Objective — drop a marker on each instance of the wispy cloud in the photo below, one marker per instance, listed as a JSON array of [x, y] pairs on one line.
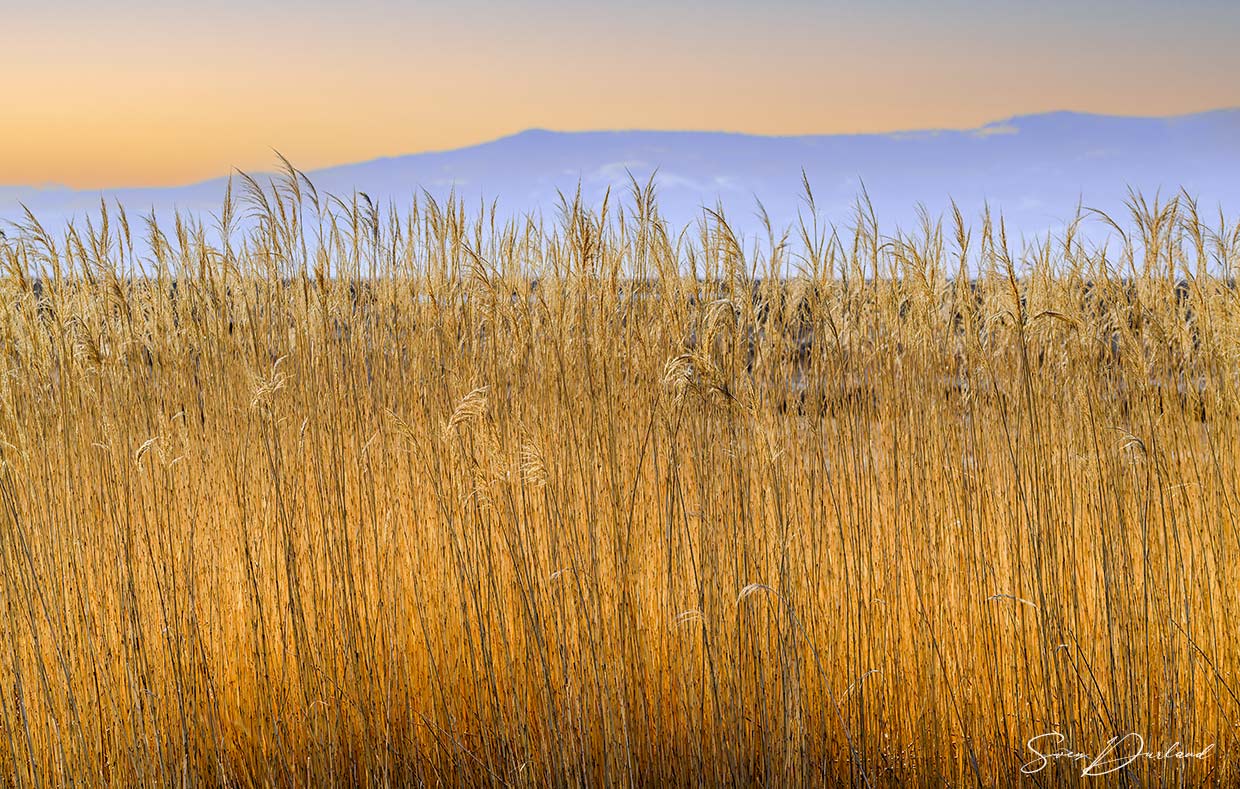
[[995, 130], [613, 171]]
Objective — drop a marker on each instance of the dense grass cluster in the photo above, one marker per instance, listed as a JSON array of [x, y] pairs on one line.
[[317, 492]]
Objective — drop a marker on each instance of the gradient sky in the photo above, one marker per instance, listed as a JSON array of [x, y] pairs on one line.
[[137, 92]]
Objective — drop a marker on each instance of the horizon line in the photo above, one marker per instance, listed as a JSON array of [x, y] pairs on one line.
[[233, 171]]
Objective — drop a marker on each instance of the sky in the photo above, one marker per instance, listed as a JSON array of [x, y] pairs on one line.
[[146, 93]]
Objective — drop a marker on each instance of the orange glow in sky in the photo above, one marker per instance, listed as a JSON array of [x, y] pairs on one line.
[[145, 93]]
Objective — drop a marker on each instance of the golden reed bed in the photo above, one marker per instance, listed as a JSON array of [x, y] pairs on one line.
[[331, 494]]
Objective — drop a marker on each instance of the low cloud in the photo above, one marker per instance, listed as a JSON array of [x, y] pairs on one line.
[[995, 130]]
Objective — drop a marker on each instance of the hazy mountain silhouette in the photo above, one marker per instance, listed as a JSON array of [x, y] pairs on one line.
[[1033, 168]]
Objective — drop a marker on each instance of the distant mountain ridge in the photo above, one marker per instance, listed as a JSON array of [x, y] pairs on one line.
[[1035, 169]]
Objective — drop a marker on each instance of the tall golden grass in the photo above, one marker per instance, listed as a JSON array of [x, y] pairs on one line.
[[317, 492]]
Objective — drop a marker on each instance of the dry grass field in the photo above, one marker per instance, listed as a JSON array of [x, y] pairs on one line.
[[313, 492]]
